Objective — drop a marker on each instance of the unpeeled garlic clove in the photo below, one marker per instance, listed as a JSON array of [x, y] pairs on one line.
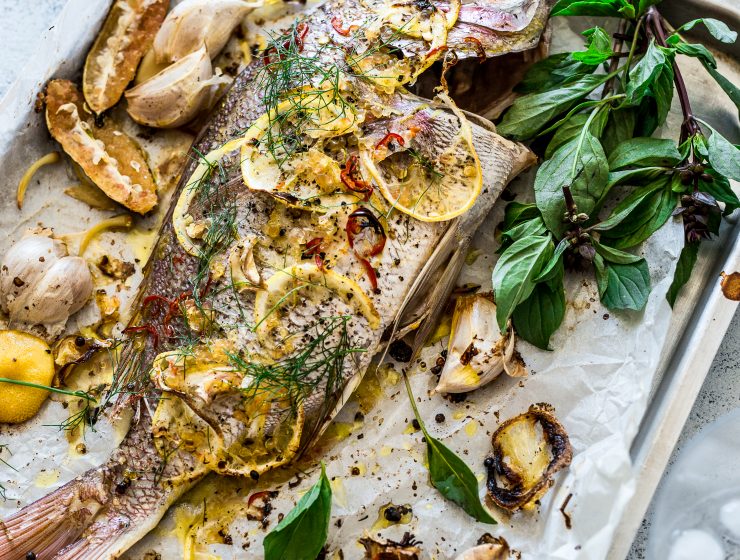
[[244, 272], [194, 23], [41, 284], [477, 352], [177, 94]]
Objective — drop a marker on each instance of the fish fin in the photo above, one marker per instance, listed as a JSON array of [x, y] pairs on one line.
[[52, 522]]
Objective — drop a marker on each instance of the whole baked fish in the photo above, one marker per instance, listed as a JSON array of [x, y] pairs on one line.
[[321, 198]]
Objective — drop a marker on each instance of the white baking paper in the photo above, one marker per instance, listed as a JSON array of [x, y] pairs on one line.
[[598, 379]]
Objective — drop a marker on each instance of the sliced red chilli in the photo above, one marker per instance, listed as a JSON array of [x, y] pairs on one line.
[[366, 238], [478, 46], [350, 178], [314, 249], [336, 23], [385, 142]]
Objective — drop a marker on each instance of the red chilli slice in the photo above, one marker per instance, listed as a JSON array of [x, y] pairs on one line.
[[336, 23], [388, 138], [357, 223], [479, 50], [348, 175]]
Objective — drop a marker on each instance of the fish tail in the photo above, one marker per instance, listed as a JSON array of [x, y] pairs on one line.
[[51, 523]]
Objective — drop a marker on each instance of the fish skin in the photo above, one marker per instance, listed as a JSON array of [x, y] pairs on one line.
[[106, 510]]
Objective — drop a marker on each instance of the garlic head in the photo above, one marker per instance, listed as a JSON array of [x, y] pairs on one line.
[[194, 23], [477, 352], [176, 94], [40, 284]]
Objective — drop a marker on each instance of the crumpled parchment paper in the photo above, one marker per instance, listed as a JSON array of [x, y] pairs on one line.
[[598, 379]]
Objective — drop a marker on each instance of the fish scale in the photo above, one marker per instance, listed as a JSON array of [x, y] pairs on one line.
[[104, 512]]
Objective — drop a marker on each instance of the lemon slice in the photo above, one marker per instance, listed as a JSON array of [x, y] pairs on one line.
[[408, 18], [282, 151], [291, 289], [181, 217], [432, 181]]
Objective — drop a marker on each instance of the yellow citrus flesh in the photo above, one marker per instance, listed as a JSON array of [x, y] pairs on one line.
[[23, 357]]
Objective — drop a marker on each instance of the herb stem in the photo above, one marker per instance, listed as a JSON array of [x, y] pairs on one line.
[[614, 63], [80, 394], [413, 404], [633, 47]]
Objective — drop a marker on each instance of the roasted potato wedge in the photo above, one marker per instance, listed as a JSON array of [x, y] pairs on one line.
[[127, 34], [109, 157]]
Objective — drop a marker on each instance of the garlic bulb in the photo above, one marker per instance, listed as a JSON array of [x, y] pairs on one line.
[[194, 23], [477, 353], [41, 285], [176, 94]]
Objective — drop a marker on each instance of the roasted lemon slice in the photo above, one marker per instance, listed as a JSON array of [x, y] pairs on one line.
[[287, 292], [433, 176], [282, 151]]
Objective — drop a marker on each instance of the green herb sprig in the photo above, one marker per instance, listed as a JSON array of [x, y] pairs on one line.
[[595, 130]]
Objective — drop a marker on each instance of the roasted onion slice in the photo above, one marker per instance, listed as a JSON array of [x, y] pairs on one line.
[[527, 451]]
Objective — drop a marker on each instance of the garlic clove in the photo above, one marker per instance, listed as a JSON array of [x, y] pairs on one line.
[[63, 290], [477, 353], [177, 94], [24, 265], [244, 272], [194, 23]]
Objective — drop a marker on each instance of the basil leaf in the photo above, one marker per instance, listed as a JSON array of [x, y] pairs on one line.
[[613, 255], [628, 285], [454, 479], [629, 205], [646, 218], [540, 315], [608, 8], [732, 91], [718, 29], [721, 190], [586, 156], [645, 4], [723, 155], [635, 177], [644, 152], [684, 266], [518, 212], [619, 127], [535, 226], [529, 114], [696, 50], [551, 72], [646, 71], [572, 127], [602, 279], [514, 272], [599, 48], [661, 92], [302, 533], [555, 265]]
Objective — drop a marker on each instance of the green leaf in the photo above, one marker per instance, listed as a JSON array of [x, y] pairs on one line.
[[684, 266], [718, 29], [636, 177], [646, 71], [518, 212], [721, 190], [645, 4], [645, 218], [723, 155], [554, 266], [645, 152], [608, 8], [599, 48], [613, 255], [514, 273], [302, 533], [631, 204], [553, 71], [540, 315], [619, 127], [589, 162], [573, 126], [535, 226], [531, 113], [732, 91], [602, 279], [454, 479], [696, 50], [627, 286]]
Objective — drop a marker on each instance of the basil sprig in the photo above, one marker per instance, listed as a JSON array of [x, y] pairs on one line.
[[302, 533], [606, 184]]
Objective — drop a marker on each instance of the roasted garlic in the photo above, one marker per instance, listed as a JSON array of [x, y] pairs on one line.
[[177, 94], [195, 23], [41, 285]]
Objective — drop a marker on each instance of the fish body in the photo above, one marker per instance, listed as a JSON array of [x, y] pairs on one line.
[[251, 331]]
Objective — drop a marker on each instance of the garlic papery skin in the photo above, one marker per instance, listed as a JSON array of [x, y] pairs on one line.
[[477, 352], [194, 23], [176, 94], [41, 285]]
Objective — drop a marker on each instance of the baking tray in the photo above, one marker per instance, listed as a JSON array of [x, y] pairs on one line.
[[701, 317]]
